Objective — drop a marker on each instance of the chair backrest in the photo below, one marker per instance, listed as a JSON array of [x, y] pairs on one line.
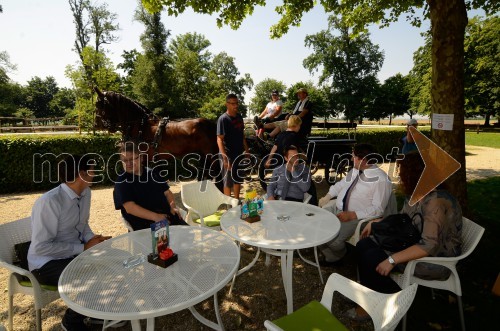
[[13, 233], [203, 196], [386, 310], [471, 234]]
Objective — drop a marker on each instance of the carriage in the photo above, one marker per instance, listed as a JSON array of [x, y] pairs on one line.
[[333, 156]]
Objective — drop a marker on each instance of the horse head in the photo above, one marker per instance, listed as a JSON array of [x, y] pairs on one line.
[[106, 115], [115, 111]]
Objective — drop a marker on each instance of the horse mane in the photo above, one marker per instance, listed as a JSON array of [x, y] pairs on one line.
[[127, 104]]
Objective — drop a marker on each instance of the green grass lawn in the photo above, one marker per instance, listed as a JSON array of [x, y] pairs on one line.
[[486, 139]]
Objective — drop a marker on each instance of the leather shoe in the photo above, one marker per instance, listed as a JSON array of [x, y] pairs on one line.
[[353, 315], [328, 264]]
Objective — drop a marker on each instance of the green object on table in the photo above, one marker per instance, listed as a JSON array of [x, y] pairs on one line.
[[211, 220], [312, 317]]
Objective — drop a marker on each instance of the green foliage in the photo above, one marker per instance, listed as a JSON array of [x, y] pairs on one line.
[[419, 79], [263, 94], [103, 75], [392, 98], [21, 163], [486, 139], [38, 95], [24, 113], [149, 73], [349, 64], [482, 67], [11, 97], [213, 108], [316, 95]]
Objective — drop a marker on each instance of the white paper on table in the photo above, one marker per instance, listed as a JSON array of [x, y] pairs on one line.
[[442, 122]]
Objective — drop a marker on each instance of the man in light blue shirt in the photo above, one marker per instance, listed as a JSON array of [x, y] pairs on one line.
[[60, 228]]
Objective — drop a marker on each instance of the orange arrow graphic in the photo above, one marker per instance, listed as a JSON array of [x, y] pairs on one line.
[[439, 166]]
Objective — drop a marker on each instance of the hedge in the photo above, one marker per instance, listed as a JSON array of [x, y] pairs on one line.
[[21, 154], [383, 140]]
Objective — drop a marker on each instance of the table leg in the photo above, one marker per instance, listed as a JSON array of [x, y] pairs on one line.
[[150, 326], [136, 325], [286, 273]]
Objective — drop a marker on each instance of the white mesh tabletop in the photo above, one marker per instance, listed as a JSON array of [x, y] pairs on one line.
[[300, 231], [96, 284]]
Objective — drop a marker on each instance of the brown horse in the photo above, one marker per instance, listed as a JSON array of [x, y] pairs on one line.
[[116, 112]]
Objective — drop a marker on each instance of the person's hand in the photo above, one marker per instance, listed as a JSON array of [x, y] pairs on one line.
[[366, 231], [384, 267], [176, 211], [324, 200], [346, 216], [94, 241], [160, 217]]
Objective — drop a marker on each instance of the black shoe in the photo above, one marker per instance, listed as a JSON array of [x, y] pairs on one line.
[[327, 264], [73, 325], [258, 122]]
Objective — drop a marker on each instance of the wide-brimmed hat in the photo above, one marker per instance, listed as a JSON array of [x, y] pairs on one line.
[[303, 90]]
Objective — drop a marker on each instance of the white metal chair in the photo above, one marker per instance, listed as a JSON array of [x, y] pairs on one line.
[[386, 310], [471, 234], [202, 199], [14, 233]]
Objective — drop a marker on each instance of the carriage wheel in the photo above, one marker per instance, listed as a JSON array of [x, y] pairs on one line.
[[338, 170]]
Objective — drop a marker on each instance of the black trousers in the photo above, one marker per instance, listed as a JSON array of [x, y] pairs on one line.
[[369, 255], [49, 274]]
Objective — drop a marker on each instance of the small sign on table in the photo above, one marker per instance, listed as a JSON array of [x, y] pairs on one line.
[[162, 254]]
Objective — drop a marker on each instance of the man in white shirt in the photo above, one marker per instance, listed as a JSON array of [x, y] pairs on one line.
[[363, 193], [60, 228]]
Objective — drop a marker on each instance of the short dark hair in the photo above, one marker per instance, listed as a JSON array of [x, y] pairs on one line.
[[231, 96], [70, 167], [367, 151], [289, 148]]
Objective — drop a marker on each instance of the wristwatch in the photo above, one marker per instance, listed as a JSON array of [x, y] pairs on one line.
[[391, 260]]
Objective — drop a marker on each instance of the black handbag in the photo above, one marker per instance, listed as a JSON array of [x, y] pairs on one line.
[[397, 232]]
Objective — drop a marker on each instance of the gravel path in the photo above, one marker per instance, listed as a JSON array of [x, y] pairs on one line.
[[258, 294]]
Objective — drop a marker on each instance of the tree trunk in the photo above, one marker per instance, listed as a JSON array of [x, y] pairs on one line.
[[448, 22], [487, 119]]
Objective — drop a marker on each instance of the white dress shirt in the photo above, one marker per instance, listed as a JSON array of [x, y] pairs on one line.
[[369, 196], [60, 225]]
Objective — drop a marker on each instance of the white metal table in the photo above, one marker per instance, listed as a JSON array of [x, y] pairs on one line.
[[307, 226], [96, 283]]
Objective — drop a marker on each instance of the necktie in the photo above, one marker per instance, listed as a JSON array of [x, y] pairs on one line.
[[345, 201]]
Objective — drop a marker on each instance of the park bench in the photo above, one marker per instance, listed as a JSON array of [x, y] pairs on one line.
[[337, 125]]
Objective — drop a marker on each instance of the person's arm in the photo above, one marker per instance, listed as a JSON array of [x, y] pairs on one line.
[[171, 202], [411, 253], [44, 220], [245, 145], [273, 185], [303, 113], [270, 157], [263, 113], [134, 209], [222, 151]]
